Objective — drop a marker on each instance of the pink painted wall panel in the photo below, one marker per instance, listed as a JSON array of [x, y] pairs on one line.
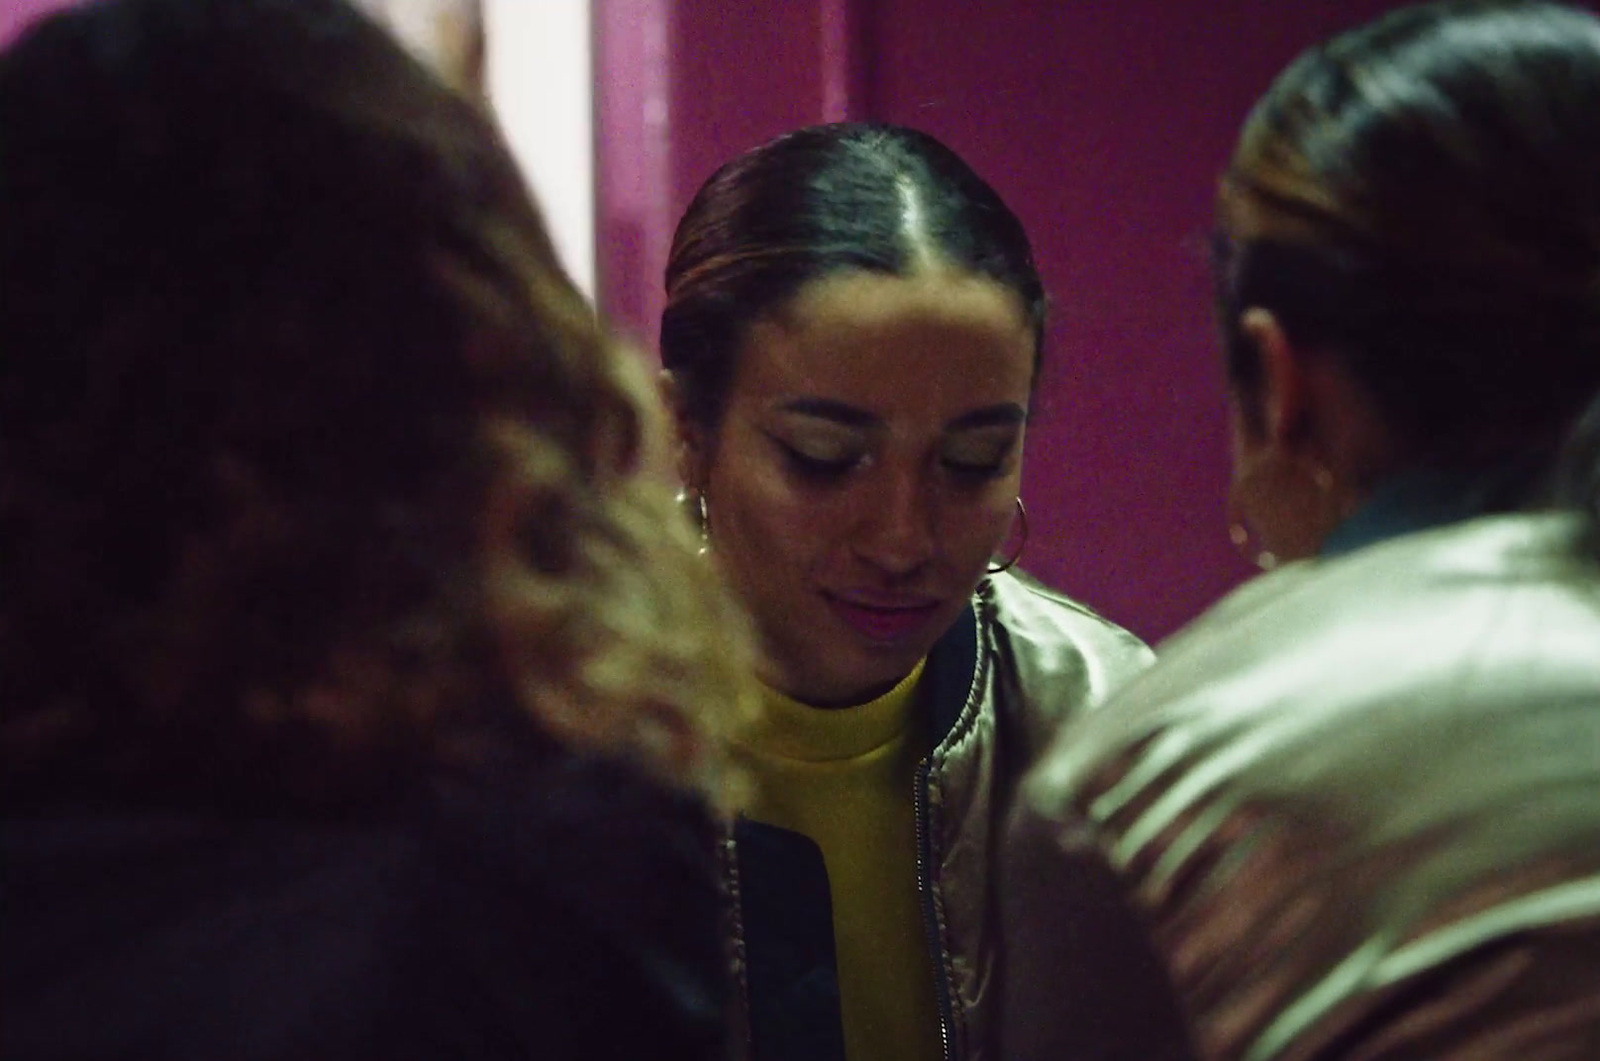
[[633, 175], [683, 86], [16, 15], [742, 72]]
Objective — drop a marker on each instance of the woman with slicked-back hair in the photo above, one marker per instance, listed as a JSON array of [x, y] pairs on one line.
[[1355, 810], [853, 333], [361, 694]]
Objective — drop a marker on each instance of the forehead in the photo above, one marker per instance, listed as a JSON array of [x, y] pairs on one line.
[[943, 340]]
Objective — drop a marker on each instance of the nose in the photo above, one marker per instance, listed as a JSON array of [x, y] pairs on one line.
[[899, 533]]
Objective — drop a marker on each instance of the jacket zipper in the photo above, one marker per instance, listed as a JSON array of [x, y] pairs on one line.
[[742, 1030], [930, 917]]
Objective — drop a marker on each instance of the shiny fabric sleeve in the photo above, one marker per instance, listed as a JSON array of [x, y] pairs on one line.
[[1355, 814]]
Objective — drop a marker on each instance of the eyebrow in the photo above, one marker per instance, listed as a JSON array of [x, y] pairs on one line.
[[828, 409], [1006, 414]]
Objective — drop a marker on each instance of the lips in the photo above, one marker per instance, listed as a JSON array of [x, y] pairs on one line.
[[885, 623]]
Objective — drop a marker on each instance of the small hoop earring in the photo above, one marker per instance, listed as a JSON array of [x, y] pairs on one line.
[[694, 506], [1244, 544], [1243, 539], [1022, 517]]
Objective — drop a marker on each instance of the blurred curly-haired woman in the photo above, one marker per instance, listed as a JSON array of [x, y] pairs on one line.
[[361, 690]]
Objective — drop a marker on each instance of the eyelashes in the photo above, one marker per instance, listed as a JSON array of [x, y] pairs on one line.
[[811, 467], [975, 472], [833, 469]]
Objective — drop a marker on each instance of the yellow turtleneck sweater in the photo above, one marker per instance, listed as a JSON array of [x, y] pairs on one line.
[[844, 777]]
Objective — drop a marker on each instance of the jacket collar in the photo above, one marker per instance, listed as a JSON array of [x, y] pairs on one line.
[[951, 670], [1424, 498]]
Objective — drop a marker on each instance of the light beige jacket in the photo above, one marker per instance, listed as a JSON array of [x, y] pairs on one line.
[[1018, 664], [1355, 810]]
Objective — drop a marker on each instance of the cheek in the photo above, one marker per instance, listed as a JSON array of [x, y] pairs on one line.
[[1236, 434], [1244, 448], [762, 525], [977, 530]]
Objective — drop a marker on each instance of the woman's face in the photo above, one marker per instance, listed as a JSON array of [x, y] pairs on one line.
[[866, 470]]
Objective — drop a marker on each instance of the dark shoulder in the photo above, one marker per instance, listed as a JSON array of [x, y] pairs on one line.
[[598, 844], [591, 890], [557, 909]]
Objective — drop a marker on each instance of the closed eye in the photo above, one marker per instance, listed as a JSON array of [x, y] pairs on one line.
[[981, 471], [813, 466], [981, 455]]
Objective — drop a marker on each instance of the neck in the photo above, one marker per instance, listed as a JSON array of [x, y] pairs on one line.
[[824, 698], [1420, 497]]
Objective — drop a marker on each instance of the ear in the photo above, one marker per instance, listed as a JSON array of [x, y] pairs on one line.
[[691, 442], [1283, 401]]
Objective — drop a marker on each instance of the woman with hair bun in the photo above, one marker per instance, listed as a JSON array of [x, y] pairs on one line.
[[853, 334], [1355, 810]]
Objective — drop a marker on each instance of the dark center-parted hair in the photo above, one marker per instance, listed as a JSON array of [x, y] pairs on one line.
[[315, 462], [1420, 199], [812, 203]]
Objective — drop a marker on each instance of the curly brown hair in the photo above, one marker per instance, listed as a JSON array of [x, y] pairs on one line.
[[315, 462]]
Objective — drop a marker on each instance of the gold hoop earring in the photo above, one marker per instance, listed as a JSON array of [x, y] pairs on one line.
[[694, 507], [1244, 544], [1022, 517], [1243, 537]]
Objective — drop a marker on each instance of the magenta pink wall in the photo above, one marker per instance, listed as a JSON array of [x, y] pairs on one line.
[[684, 85], [15, 15], [1104, 125]]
